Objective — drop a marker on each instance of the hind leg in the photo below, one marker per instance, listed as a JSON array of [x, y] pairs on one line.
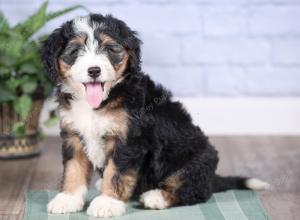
[[191, 184], [157, 199], [169, 192], [164, 196], [178, 191]]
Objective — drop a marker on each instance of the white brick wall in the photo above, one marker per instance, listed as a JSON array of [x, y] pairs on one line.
[[225, 51], [285, 52], [276, 20], [205, 47]]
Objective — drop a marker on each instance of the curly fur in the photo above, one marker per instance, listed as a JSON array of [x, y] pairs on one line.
[[162, 144]]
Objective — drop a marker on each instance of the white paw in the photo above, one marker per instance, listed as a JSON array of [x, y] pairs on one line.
[[105, 206], [64, 203], [153, 199], [257, 184]]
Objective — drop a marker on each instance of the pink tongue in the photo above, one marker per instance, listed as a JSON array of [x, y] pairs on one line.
[[94, 94]]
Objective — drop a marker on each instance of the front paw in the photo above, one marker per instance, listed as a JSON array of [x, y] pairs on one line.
[[65, 203], [104, 206]]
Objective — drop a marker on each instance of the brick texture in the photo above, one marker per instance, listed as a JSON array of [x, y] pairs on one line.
[[204, 47]]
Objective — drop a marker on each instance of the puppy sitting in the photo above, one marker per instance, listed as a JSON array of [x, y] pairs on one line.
[[114, 118]]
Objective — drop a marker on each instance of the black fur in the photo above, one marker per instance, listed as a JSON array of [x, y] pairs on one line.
[[53, 48], [162, 139], [123, 35]]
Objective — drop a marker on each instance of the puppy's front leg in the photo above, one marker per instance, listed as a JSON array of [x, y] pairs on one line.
[[77, 170], [116, 189]]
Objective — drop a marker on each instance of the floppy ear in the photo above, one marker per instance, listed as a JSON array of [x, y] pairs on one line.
[[52, 49], [134, 52]]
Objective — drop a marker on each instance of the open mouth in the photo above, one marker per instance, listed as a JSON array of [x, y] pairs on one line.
[[94, 93]]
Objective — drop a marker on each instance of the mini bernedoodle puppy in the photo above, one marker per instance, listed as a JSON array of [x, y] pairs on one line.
[[116, 120]]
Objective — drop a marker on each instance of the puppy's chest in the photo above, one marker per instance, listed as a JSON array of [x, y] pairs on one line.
[[93, 126]]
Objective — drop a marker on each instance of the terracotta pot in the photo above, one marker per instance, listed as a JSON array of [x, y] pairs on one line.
[[19, 146]]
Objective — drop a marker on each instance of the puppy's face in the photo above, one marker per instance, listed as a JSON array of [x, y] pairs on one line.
[[89, 55], [92, 55]]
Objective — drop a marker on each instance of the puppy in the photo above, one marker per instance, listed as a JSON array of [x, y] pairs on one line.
[[116, 120]]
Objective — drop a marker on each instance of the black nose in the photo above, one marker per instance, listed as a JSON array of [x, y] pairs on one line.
[[94, 71]]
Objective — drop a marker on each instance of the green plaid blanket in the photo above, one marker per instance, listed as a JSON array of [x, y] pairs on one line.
[[229, 205]]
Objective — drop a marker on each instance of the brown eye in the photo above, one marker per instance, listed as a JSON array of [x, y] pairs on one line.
[[74, 52]]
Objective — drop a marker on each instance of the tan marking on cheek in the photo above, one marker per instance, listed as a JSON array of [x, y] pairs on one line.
[[63, 68], [107, 86], [121, 67], [78, 169], [118, 185]]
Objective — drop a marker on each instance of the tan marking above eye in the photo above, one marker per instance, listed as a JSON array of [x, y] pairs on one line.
[[105, 39], [111, 43], [79, 39]]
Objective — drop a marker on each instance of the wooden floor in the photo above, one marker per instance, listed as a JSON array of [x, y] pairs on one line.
[[274, 159]]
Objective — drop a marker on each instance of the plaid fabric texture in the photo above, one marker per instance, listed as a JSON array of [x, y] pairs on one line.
[[229, 205]]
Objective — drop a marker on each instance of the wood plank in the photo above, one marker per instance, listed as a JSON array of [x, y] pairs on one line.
[[10, 217], [274, 159], [48, 173], [15, 177], [281, 205]]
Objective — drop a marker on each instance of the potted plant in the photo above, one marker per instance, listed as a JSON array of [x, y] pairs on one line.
[[23, 85]]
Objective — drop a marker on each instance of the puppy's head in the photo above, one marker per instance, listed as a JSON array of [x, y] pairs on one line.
[[89, 55]]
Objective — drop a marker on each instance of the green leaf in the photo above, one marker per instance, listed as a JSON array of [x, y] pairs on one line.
[[19, 129], [23, 106], [28, 62], [33, 23], [4, 25], [21, 70], [52, 121], [29, 86], [6, 95], [11, 44], [4, 71], [39, 19], [42, 39], [5, 60], [55, 14], [12, 84], [41, 134], [28, 67]]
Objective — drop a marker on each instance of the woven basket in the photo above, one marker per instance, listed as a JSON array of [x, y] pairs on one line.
[[27, 145]]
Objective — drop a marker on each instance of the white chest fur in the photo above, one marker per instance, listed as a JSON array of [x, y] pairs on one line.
[[92, 125]]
